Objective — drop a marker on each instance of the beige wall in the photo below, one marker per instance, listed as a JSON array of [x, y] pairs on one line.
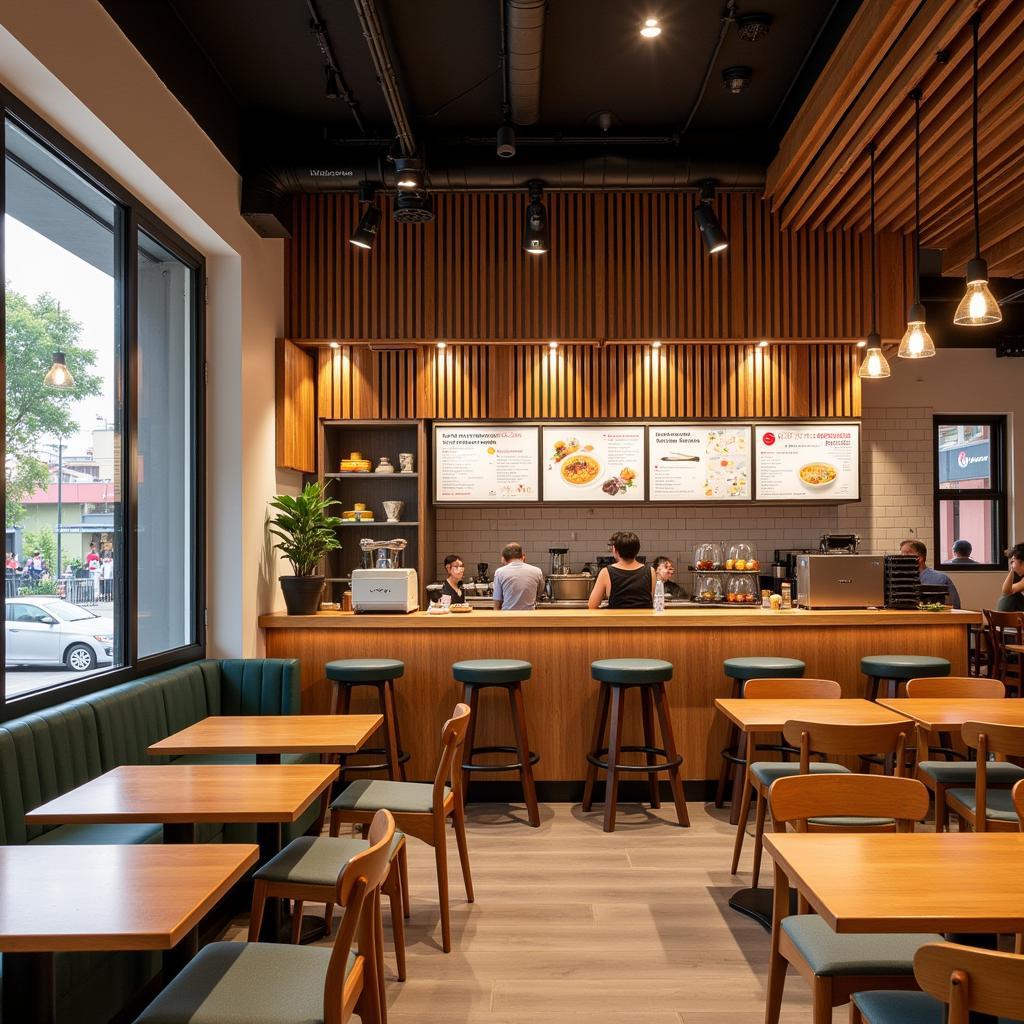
[[71, 64]]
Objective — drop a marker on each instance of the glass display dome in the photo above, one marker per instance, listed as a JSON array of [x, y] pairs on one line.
[[742, 590], [741, 556], [707, 556], [708, 590]]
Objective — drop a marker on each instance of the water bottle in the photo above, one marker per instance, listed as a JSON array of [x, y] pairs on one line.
[[659, 596]]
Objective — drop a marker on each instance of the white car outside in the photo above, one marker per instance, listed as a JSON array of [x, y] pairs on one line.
[[52, 631]]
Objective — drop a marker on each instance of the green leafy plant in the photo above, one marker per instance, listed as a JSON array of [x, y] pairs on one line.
[[305, 530], [44, 588]]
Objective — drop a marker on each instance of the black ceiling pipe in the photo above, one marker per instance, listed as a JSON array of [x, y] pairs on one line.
[[577, 168]]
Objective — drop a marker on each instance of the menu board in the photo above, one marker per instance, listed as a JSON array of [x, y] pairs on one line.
[[486, 463], [594, 463], [808, 461], [699, 462]]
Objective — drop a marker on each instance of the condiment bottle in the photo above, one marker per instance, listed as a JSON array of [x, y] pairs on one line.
[[766, 599], [787, 596]]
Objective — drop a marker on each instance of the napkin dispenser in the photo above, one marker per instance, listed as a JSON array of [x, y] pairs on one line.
[[385, 590]]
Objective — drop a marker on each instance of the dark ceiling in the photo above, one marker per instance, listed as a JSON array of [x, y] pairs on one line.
[[252, 75]]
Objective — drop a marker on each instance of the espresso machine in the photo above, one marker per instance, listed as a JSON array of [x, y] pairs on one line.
[[382, 554], [382, 585]]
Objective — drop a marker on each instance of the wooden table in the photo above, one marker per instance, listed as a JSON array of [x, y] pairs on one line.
[[269, 736], [181, 796], [1016, 648], [936, 714], [770, 715], [77, 898]]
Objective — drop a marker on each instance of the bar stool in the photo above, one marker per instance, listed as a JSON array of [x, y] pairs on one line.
[[509, 674], [740, 670], [380, 673], [617, 676]]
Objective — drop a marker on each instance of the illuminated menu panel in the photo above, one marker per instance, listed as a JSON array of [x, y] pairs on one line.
[[488, 463], [807, 461]]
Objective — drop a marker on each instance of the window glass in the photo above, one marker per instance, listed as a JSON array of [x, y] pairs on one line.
[[965, 457], [973, 520], [63, 419], [166, 496]]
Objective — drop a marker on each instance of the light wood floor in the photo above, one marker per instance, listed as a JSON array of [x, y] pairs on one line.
[[572, 924]]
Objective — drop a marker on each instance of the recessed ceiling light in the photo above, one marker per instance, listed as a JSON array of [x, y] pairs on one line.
[[334, 344], [442, 344], [862, 344], [655, 344], [762, 343], [552, 345], [651, 28]]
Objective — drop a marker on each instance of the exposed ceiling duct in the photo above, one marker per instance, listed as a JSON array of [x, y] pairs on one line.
[[524, 21]]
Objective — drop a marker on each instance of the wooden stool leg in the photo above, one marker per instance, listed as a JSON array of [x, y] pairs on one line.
[[668, 741], [515, 698], [342, 705], [390, 695], [387, 709], [611, 795], [470, 696], [647, 710], [596, 741]]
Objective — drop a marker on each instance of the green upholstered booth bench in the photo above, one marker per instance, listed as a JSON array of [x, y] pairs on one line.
[[46, 754]]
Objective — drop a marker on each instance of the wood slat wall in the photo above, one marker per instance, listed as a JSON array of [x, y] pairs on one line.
[[621, 266], [296, 415]]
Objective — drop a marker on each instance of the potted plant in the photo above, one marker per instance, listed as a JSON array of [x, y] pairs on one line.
[[305, 532]]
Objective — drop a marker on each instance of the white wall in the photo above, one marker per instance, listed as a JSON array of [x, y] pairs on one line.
[[71, 64]]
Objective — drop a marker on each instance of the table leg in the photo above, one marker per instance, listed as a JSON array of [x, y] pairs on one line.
[[29, 988], [275, 928]]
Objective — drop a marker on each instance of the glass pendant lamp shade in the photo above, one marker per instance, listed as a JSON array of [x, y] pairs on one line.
[[59, 376], [978, 307], [875, 365], [917, 342]]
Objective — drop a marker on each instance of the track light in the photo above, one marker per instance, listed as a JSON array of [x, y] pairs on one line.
[[535, 239], [333, 89], [651, 28], [715, 239], [413, 207], [409, 172], [365, 233], [59, 376], [978, 307], [506, 141], [737, 78]]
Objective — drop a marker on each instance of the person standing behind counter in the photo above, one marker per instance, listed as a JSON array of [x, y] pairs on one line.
[[628, 583], [454, 570], [930, 576], [517, 585], [1012, 599]]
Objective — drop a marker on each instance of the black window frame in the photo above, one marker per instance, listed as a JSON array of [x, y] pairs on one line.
[[133, 217], [997, 493]]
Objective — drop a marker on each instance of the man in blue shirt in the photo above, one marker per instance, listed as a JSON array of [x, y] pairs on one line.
[[930, 576]]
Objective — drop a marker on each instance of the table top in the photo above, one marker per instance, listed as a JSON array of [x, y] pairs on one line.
[[946, 712], [272, 734], [69, 898], [770, 715], [1019, 648], [920, 882], [187, 794]]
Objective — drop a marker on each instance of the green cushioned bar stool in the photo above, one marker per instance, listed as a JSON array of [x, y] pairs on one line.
[[893, 669], [740, 670], [379, 673], [509, 674], [617, 676]]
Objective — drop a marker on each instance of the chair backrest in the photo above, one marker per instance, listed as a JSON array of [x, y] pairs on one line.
[[879, 738], [1018, 802], [453, 734], [1003, 628], [798, 797], [792, 689], [994, 738], [971, 979], [955, 686], [358, 892]]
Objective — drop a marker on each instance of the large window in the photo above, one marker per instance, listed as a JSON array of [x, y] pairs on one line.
[[970, 491], [103, 473]]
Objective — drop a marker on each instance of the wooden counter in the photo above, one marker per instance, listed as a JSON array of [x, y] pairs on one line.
[[561, 644]]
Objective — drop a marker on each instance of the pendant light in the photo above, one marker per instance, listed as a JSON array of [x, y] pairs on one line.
[[917, 342], [875, 365], [59, 376], [978, 307]]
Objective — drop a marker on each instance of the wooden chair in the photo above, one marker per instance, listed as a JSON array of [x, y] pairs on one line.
[[421, 810], [836, 966], [960, 978], [760, 775], [982, 807], [888, 740], [1006, 628], [231, 981]]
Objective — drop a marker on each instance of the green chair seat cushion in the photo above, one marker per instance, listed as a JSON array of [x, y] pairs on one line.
[[364, 670], [830, 954], [763, 668], [100, 835], [243, 759], [998, 802], [900, 1008], [963, 773], [246, 983], [848, 821], [903, 666], [631, 671], [492, 670], [316, 860], [766, 772], [397, 797]]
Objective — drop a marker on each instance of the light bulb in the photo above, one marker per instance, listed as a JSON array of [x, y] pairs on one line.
[[655, 344], [978, 307], [916, 343], [651, 29], [59, 376], [875, 365]]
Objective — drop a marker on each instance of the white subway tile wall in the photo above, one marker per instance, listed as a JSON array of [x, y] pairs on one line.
[[896, 493]]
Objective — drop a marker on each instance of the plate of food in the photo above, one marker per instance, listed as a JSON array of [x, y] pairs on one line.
[[817, 475], [460, 608], [580, 470]]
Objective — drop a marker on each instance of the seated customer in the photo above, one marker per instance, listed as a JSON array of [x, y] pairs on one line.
[[962, 553], [517, 585], [628, 583], [664, 569], [931, 577], [1013, 586]]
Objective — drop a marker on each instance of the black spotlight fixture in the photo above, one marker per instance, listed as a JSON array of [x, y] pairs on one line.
[[737, 78], [506, 141], [711, 231], [409, 173], [333, 88], [365, 233], [535, 239], [753, 27]]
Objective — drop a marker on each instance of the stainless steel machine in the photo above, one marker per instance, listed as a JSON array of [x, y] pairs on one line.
[[840, 581], [565, 587]]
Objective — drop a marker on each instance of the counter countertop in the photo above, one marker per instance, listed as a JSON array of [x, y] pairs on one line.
[[572, 618]]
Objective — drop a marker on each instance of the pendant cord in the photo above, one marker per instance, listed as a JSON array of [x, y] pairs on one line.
[[917, 196], [874, 255], [975, 22]]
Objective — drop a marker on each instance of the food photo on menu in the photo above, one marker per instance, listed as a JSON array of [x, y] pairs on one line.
[[593, 463]]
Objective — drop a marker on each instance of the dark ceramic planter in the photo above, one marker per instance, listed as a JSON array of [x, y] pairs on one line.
[[302, 593]]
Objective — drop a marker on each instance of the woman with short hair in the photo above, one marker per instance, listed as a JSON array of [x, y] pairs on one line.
[[628, 583], [454, 570]]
